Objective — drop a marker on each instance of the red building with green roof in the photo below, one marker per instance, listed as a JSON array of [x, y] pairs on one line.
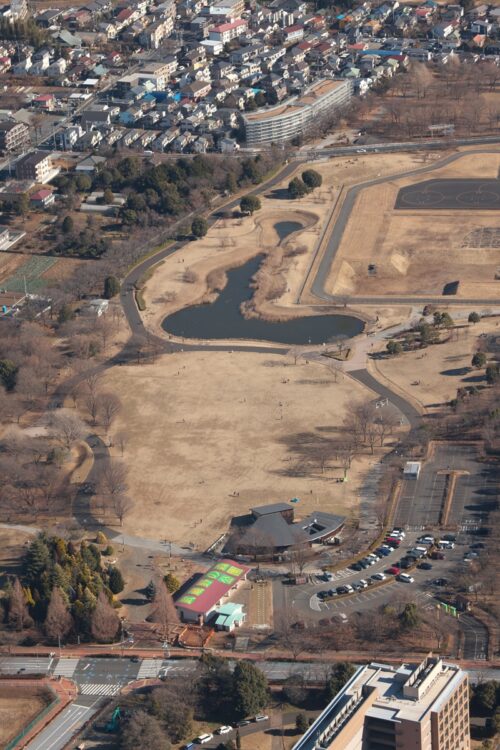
[[211, 590]]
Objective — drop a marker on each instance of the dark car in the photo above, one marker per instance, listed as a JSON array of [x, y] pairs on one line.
[[134, 659], [407, 562], [449, 538], [425, 566], [342, 590], [440, 582], [243, 723], [478, 545], [356, 566]]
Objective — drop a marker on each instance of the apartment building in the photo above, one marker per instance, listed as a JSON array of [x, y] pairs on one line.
[[412, 707], [35, 166], [226, 32], [14, 136], [280, 123]]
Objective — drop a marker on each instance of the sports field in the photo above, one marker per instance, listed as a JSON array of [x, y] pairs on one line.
[[413, 235]]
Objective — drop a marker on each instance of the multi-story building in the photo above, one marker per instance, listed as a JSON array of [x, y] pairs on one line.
[[35, 166], [280, 123], [412, 707], [226, 32], [14, 136]]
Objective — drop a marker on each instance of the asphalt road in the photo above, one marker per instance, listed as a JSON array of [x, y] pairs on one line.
[[65, 725]]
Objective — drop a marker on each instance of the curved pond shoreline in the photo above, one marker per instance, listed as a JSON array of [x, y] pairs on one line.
[[222, 318]]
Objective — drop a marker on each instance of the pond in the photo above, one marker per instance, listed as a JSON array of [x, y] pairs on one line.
[[222, 319]]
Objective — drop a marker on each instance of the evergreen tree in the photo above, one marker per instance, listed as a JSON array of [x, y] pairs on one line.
[[8, 373], [199, 226], [296, 188], [339, 675], [115, 581], [58, 622], [311, 179], [37, 559], [111, 287], [250, 691], [67, 225], [249, 204]]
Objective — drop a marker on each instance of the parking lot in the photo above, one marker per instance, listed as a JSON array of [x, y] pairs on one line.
[[476, 489]]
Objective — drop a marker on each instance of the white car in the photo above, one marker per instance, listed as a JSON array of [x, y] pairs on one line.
[[224, 729], [363, 583], [405, 578], [261, 717], [379, 577], [204, 738]]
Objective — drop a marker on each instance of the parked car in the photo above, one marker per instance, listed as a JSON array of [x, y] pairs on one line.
[[243, 723], [363, 583], [204, 738], [451, 538], [225, 729], [405, 578], [379, 577], [261, 717], [425, 540], [440, 582], [393, 571], [425, 566], [356, 566]]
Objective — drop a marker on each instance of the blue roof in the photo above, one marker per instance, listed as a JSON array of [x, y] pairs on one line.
[[382, 52]]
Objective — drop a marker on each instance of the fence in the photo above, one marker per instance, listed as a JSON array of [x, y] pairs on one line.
[[25, 730]]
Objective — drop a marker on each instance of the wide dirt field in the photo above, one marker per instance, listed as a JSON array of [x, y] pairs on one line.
[[17, 708], [212, 434], [432, 376], [417, 252], [232, 241]]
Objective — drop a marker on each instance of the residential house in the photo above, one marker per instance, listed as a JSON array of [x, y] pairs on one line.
[[42, 198]]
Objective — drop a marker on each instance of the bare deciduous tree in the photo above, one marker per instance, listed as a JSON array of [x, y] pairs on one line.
[[66, 427], [164, 613], [108, 405], [121, 440], [105, 623], [58, 622], [121, 504]]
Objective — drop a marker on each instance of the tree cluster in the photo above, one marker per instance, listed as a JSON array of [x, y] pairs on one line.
[[163, 717], [66, 588], [298, 188]]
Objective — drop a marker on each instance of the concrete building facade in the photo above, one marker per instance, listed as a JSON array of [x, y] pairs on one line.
[[283, 122], [14, 136], [412, 707]]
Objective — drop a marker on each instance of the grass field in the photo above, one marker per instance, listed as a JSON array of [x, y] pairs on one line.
[[17, 708], [28, 274]]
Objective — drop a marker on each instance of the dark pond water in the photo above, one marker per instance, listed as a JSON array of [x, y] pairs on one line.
[[222, 318]]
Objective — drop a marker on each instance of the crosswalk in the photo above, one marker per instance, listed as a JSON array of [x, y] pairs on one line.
[[94, 688], [65, 667], [149, 668]]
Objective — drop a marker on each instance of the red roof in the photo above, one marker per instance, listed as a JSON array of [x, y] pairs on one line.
[[44, 98], [209, 589], [228, 26], [293, 29], [40, 195]]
